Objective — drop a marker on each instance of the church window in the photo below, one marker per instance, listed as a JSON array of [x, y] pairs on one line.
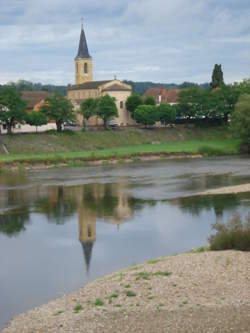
[[85, 68], [89, 231], [76, 68], [121, 104], [159, 98]]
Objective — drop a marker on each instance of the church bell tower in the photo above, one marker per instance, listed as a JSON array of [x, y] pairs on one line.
[[83, 62]]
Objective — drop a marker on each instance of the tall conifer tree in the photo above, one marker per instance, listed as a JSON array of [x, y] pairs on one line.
[[217, 77]]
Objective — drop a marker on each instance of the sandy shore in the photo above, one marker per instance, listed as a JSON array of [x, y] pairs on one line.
[[228, 190], [192, 292]]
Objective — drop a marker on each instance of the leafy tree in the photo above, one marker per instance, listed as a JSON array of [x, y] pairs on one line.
[[12, 107], [36, 118], [59, 109], [107, 109], [88, 109], [217, 77], [146, 115], [189, 103], [132, 103], [240, 121], [149, 100], [166, 113]]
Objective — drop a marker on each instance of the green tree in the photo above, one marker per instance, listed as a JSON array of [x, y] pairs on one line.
[[146, 115], [149, 100], [166, 113], [132, 103], [88, 109], [59, 109], [107, 109], [240, 121], [36, 118], [12, 107], [217, 77]]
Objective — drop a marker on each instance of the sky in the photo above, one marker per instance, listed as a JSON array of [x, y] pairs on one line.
[[141, 40]]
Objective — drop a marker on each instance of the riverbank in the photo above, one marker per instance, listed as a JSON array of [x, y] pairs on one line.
[[172, 149], [194, 292]]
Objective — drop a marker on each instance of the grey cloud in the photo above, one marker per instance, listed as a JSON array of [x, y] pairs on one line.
[[158, 40]]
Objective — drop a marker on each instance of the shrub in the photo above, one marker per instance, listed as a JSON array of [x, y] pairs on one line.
[[99, 302], [210, 151], [235, 234], [240, 122], [130, 293]]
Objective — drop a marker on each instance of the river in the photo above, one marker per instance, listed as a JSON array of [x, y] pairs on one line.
[[63, 227]]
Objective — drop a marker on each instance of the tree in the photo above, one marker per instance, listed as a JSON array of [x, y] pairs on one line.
[[36, 118], [132, 103], [166, 113], [146, 115], [59, 109], [217, 77], [149, 100], [106, 109], [240, 121], [88, 109], [12, 107]]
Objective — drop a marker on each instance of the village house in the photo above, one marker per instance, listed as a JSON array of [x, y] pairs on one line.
[[163, 95], [85, 88], [34, 100]]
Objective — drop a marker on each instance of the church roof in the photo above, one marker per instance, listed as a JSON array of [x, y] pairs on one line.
[[83, 51], [117, 87], [88, 85]]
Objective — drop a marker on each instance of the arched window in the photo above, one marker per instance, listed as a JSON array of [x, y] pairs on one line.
[[85, 68]]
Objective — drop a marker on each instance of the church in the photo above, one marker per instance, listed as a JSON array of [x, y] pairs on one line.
[[85, 87]]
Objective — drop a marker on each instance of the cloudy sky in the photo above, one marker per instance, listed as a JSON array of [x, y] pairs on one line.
[[142, 40]]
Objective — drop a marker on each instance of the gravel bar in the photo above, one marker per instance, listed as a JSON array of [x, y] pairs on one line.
[[190, 292]]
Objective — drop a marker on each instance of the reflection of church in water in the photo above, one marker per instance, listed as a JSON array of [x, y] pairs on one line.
[[108, 202]]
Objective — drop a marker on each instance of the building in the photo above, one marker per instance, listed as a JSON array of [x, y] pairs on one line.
[[85, 87], [163, 95], [34, 100]]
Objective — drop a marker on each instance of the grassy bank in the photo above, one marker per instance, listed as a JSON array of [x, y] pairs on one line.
[[104, 145], [212, 147]]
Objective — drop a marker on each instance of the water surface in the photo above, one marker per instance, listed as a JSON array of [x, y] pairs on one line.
[[61, 228]]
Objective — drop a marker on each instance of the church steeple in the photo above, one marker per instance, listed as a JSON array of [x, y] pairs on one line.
[[83, 51], [83, 61]]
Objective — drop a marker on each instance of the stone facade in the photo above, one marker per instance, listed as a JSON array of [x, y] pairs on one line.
[[115, 88], [83, 70]]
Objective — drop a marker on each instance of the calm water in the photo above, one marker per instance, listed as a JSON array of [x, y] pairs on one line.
[[61, 228]]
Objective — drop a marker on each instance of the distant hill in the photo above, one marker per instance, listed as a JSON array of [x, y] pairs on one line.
[[138, 87], [141, 87]]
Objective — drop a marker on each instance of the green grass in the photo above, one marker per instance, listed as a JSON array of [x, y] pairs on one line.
[[130, 293], [99, 302], [77, 308], [224, 146]]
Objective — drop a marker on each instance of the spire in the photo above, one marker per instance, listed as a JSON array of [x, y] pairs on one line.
[[83, 51], [87, 251]]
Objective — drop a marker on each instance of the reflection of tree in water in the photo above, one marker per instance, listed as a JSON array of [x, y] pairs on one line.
[[57, 207], [195, 205], [12, 223]]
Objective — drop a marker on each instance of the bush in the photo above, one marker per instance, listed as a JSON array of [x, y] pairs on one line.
[[210, 151], [240, 122], [235, 234]]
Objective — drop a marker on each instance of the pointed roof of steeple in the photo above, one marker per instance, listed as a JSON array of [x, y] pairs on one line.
[[87, 252], [83, 51]]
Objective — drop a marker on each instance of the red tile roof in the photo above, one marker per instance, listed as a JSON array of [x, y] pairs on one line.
[[32, 98], [167, 96]]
